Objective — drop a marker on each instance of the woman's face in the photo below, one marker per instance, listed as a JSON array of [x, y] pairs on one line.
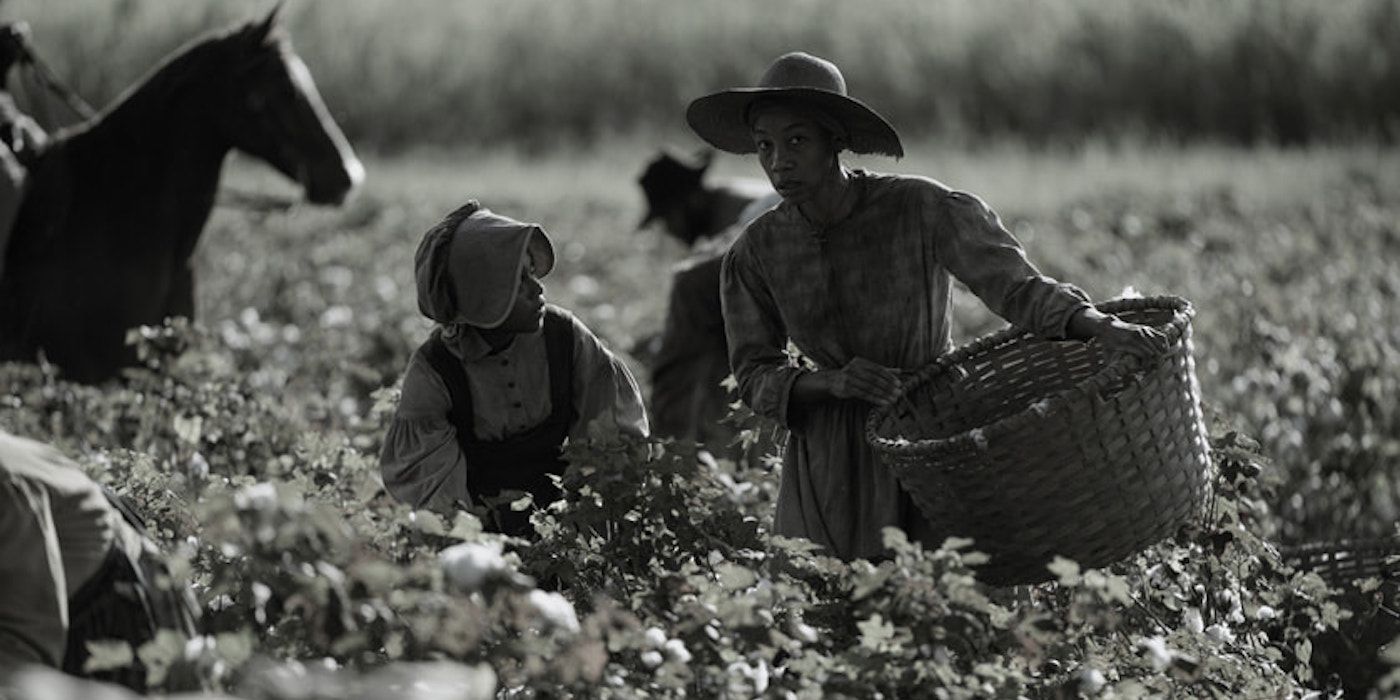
[[797, 154], [527, 313]]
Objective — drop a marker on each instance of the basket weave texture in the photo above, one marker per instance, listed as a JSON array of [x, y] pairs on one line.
[[1035, 448], [1342, 562]]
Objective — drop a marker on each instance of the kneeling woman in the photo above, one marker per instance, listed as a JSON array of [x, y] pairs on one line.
[[503, 380]]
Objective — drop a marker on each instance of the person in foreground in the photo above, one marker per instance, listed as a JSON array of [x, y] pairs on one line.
[[77, 566], [855, 268], [490, 398]]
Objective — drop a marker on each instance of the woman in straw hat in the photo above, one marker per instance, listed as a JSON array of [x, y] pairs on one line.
[[855, 269], [503, 380]]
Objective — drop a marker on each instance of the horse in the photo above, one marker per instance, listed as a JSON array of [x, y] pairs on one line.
[[689, 209], [115, 205]]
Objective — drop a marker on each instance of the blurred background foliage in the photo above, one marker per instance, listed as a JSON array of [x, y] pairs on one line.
[[540, 73]]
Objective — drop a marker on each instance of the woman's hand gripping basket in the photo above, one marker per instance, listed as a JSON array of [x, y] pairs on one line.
[[1036, 448]]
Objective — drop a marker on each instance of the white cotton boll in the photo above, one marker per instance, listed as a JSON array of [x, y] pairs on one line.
[[804, 632], [260, 496], [196, 646], [675, 649], [756, 674], [1265, 613], [760, 677], [554, 608], [655, 637], [261, 593], [1091, 680], [198, 467], [1130, 292], [468, 565], [651, 658], [739, 669], [1221, 633], [1192, 619], [1155, 648]]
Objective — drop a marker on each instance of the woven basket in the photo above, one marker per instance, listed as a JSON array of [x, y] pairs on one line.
[[1342, 562], [1035, 448]]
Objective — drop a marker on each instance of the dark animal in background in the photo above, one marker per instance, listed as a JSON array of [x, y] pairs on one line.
[[690, 358], [689, 209], [115, 206]]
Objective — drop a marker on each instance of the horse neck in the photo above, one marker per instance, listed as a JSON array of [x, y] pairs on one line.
[[157, 165], [714, 211]]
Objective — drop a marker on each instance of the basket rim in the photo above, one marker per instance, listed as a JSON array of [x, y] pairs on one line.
[[1094, 385]]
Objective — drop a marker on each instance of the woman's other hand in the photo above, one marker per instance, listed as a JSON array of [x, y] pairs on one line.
[[1117, 336], [864, 380], [1120, 337]]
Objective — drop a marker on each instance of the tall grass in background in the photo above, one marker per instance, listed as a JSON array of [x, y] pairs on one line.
[[542, 72]]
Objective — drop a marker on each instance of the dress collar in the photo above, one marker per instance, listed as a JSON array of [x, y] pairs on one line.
[[466, 343], [858, 185]]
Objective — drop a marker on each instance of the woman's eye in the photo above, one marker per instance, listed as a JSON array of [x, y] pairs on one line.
[[763, 146], [797, 140]]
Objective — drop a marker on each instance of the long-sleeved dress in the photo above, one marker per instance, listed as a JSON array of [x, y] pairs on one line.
[[422, 462], [875, 285]]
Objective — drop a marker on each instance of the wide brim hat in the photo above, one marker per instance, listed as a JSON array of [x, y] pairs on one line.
[[722, 118], [468, 265]]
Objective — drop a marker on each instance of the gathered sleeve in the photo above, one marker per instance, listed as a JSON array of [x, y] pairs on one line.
[[421, 461], [605, 393], [972, 243], [757, 338]]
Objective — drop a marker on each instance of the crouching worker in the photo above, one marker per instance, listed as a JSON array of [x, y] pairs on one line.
[[76, 566], [503, 380]]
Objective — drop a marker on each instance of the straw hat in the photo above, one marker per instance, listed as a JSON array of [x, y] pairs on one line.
[[722, 118]]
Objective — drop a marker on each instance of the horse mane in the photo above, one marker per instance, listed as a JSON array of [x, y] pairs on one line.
[[202, 61]]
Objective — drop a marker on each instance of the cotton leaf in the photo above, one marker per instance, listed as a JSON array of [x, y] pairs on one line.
[[106, 655], [465, 527], [957, 543], [875, 632], [522, 503], [1304, 651], [735, 578], [160, 653], [235, 647], [428, 522]]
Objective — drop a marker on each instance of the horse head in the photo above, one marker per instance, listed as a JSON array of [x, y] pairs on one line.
[[673, 189], [271, 110]]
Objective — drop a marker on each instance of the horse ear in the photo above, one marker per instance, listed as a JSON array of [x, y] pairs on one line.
[[266, 25]]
